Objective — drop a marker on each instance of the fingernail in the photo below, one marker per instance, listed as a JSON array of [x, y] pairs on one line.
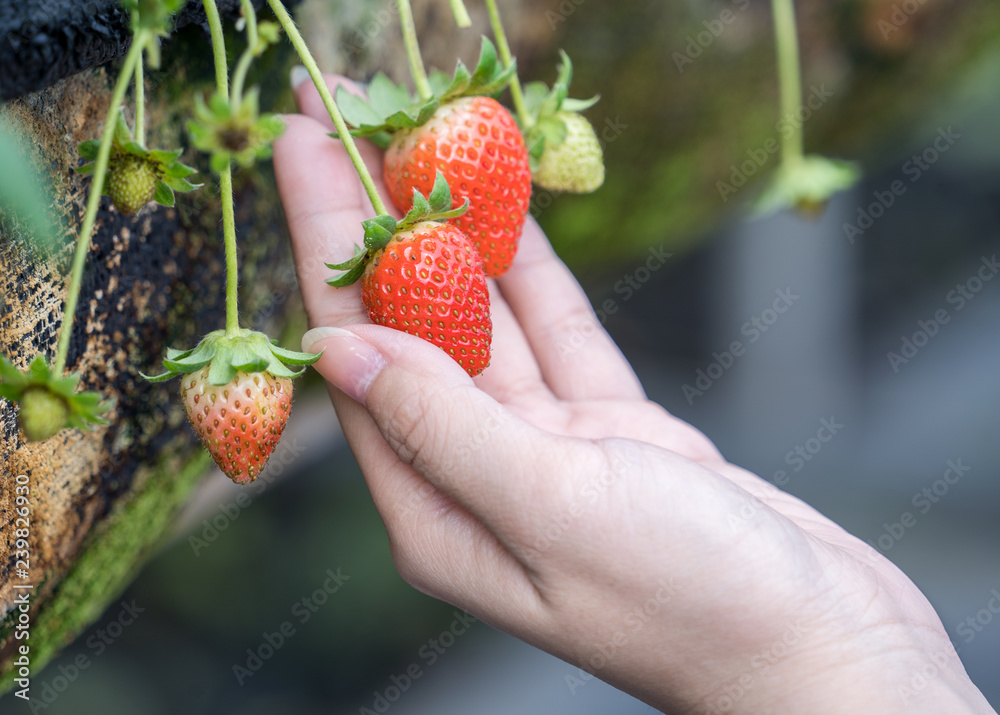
[[298, 75], [348, 362]]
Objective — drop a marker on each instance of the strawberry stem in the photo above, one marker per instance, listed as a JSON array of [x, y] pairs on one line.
[[504, 49], [140, 104], [461, 15], [413, 51], [240, 73], [789, 77], [295, 37], [225, 177], [94, 198]]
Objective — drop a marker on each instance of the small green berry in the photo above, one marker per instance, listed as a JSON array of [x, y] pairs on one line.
[[42, 413], [577, 164], [131, 182]]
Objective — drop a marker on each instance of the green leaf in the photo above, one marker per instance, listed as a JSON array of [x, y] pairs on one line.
[[579, 105], [553, 129], [245, 359], [293, 357], [356, 111], [181, 185], [350, 278], [122, 134], [276, 368], [88, 149], [165, 157], [378, 231], [164, 194], [220, 372], [386, 97], [22, 190], [87, 169], [10, 392], [440, 196], [158, 378], [177, 170]]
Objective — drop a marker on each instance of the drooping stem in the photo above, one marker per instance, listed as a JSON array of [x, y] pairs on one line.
[[240, 73], [789, 77], [140, 104], [461, 15], [504, 49], [295, 37], [413, 50], [225, 177], [94, 199]]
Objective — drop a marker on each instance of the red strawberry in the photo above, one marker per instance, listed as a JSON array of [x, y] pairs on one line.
[[241, 422], [428, 282], [478, 147]]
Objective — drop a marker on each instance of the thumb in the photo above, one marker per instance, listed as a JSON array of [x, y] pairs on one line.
[[436, 420]]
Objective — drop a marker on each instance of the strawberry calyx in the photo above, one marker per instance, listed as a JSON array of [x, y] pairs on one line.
[[48, 403], [169, 174], [390, 108], [233, 133], [249, 351], [546, 128], [806, 184], [380, 229]]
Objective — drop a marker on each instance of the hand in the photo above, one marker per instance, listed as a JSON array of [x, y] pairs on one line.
[[550, 499]]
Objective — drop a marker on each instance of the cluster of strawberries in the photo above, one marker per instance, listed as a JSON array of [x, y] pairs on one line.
[[427, 274]]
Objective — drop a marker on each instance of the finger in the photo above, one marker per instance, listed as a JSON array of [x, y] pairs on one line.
[[513, 374], [577, 357], [324, 205], [437, 545], [496, 466]]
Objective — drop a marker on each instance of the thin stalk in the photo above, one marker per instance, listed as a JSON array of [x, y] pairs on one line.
[[461, 15], [295, 37], [140, 104], [240, 73], [789, 77], [413, 50], [504, 49], [225, 178], [94, 199]]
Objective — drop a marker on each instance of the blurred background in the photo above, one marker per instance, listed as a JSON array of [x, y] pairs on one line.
[[283, 596]]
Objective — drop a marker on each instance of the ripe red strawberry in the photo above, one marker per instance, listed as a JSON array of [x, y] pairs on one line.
[[240, 423], [478, 147], [131, 182], [424, 277], [428, 282]]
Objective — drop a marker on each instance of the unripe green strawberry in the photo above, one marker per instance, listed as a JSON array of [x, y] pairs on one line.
[[42, 413], [577, 164], [131, 182], [240, 423]]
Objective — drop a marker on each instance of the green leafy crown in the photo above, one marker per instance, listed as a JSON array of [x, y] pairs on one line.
[[240, 134], [380, 230], [249, 351], [390, 107], [82, 409], [171, 174], [544, 105]]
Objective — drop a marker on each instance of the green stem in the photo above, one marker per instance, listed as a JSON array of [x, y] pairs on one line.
[[789, 77], [140, 104], [295, 37], [225, 177], [504, 49], [240, 73], [413, 50], [94, 199], [461, 15]]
